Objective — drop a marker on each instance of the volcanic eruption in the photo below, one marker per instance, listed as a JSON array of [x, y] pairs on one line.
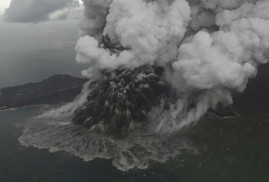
[[122, 97], [140, 51], [155, 67]]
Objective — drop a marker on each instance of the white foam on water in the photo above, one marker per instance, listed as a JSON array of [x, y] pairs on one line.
[[54, 130], [135, 151]]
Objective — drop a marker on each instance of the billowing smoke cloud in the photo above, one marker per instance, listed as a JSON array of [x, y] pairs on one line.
[[150, 30], [207, 47], [39, 10], [156, 66]]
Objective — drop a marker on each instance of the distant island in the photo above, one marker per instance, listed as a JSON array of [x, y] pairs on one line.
[[53, 90]]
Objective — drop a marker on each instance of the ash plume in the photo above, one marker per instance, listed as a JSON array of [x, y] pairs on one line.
[[154, 68], [207, 48]]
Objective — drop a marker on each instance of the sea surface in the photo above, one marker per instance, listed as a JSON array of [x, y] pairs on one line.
[[234, 150], [24, 164]]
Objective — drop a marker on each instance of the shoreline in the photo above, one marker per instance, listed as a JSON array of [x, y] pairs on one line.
[[56, 89]]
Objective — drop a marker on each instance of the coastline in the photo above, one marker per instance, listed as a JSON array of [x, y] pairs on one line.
[[56, 89]]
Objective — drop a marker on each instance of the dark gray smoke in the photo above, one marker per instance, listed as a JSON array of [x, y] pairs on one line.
[[121, 100]]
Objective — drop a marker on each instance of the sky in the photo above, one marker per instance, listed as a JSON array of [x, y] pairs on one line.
[[3, 5], [34, 51]]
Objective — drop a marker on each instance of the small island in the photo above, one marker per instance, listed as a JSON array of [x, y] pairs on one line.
[[53, 90]]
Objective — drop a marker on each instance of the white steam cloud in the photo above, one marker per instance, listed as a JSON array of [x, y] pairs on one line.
[[151, 31], [208, 46]]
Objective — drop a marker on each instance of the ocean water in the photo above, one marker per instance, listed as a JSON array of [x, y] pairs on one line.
[[24, 164], [234, 150], [32, 52]]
